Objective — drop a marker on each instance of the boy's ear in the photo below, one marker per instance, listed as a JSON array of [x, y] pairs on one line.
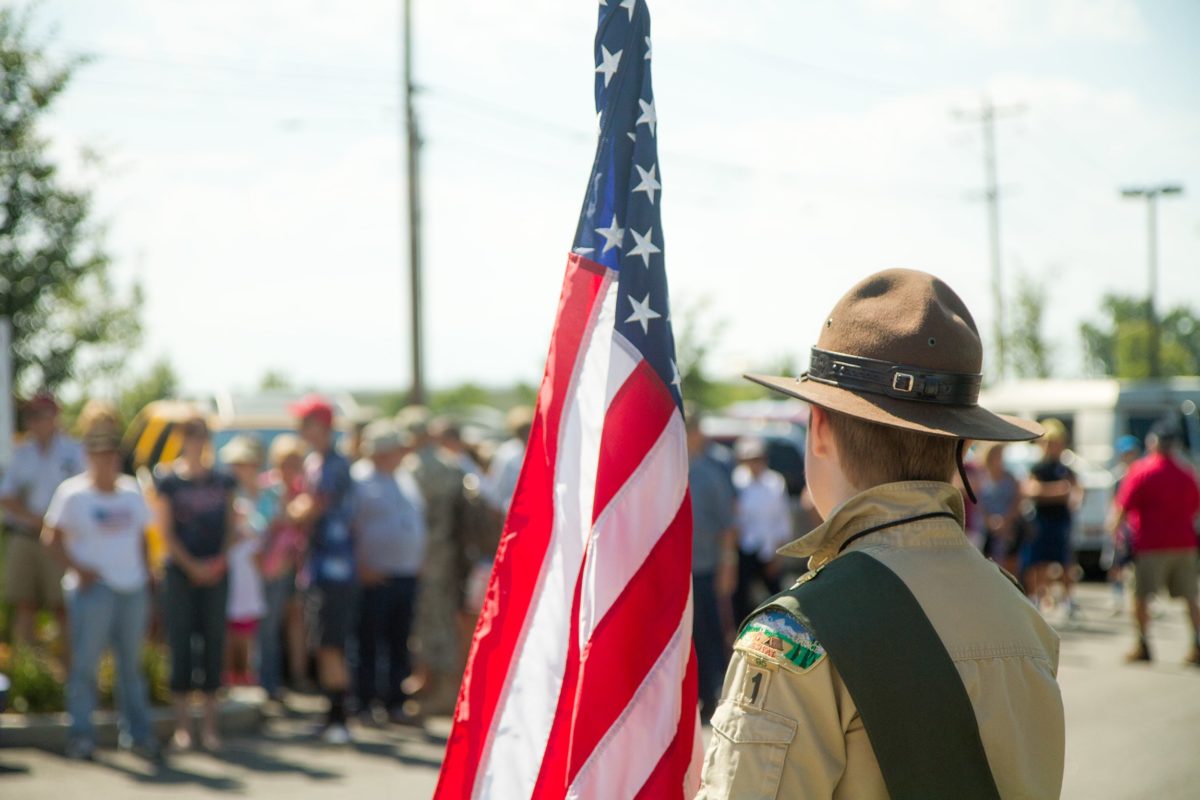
[[820, 435]]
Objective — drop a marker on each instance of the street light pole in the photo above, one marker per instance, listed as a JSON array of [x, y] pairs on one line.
[[412, 145], [1151, 194]]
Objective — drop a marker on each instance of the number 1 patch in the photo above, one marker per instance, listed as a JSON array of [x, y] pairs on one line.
[[754, 686]]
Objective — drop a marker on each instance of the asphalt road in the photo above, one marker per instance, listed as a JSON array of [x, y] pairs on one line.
[[1131, 733]]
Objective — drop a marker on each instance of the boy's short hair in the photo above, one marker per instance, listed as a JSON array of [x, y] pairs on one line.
[[873, 454]]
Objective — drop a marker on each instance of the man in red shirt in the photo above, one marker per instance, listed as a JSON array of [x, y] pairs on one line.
[[1159, 498]]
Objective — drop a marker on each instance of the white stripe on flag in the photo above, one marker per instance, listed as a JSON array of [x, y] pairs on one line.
[[528, 705], [644, 731], [630, 527]]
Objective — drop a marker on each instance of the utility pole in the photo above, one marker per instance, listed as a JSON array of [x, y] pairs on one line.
[[986, 116], [412, 169], [1152, 193]]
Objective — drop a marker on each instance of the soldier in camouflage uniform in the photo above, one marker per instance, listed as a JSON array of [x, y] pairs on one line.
[[443, 578]]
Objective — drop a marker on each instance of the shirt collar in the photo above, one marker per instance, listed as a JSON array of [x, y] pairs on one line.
[[888, 502]]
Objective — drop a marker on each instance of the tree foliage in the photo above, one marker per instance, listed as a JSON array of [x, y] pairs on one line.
[[1029, 354], [1118, 344], [68, 322], [158, 383]]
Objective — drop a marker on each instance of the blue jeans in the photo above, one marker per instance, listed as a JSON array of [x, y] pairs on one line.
[[99, 617], [384, 623], [270, 630]]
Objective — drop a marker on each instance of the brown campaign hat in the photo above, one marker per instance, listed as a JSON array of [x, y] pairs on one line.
[[901, 349]]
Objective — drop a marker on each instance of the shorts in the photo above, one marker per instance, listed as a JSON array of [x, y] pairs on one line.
[[1051, 542], [1174, 569], [31, 575], [329, 611], [243, 627]]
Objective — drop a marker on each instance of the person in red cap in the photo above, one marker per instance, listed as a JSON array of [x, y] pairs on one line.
[[330, 574], [44, 460]]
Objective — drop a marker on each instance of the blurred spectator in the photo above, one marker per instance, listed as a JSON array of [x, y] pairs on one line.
[[254, 509], [1000, 502], [764, 524], [194, 511], [96, 529], [1055, 492], [714, 562], [389, 534], [440, 597], [449, 436], [282, 554], [329, 574], [44, 460], [505, 468], [1160, 499], [975, 518], [1117, 553]]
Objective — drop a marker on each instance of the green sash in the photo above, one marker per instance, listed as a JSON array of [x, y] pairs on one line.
[[911, 699]]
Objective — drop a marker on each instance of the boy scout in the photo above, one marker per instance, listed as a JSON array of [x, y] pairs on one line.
[[903, 664]]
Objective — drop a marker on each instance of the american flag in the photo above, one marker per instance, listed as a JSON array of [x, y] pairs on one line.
[[581, 680]]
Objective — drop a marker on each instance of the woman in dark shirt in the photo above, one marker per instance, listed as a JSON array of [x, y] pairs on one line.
[[194, 511]]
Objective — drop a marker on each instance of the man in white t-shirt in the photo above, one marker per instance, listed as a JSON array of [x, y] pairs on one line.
[[764, 523], [45, 459], [95, 527]]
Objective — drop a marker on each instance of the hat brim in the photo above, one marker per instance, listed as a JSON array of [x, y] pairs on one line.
[[959, 422]]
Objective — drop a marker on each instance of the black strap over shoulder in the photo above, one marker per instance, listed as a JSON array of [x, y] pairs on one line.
[[912, 701]]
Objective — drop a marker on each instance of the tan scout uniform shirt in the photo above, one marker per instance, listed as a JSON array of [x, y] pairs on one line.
[[787, 727]]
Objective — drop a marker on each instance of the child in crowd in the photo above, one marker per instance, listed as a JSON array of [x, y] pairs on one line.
[[247, 604], [282, 554]]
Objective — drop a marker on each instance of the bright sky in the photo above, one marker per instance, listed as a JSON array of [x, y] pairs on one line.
[[253, 179]]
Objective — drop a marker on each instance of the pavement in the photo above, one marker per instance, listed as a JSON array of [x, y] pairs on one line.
[[1131, 733]]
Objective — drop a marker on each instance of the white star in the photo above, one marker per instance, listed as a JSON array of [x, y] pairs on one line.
[[647, 56], [632, 137], [608, 63], [585, 251], [613, 235], [600, 121], [643, 313], [649, 183], [676, 378], [648, 116], [645, 248], [628, 6]]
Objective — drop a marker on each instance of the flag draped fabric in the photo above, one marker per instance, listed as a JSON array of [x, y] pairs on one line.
[[581, 676]]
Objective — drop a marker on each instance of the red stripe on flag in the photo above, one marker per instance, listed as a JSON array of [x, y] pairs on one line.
[[522, 550], [635, 420], [667, 780], [632, 636]]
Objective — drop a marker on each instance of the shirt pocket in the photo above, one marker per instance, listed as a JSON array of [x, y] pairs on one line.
[[746, 755]]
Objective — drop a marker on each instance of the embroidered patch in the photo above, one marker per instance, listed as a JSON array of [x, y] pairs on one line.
[[754, 686], [778, 637]]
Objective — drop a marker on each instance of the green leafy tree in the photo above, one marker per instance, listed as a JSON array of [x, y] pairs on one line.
[[1028, 352], [68, 322], [274, 379], [159, 382], [1119, 343]]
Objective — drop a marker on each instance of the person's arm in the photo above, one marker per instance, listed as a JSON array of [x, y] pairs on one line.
[[779, 724], [54, 538], [10, 498]]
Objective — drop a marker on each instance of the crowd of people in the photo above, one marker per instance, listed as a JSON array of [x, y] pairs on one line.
[[357, 568], [360, 562]]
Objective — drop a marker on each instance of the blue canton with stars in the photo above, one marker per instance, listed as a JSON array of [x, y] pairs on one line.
[[620, 225]]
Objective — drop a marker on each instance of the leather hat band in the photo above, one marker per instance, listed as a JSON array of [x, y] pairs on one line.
[[901, 381]]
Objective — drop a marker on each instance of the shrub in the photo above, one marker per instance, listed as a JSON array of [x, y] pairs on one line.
[[37, 682]]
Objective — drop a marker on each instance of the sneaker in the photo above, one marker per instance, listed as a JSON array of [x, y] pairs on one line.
[[1139, 653], [149, 751], [1072, 609], [335, 734], [399, 715], [80, 750]]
